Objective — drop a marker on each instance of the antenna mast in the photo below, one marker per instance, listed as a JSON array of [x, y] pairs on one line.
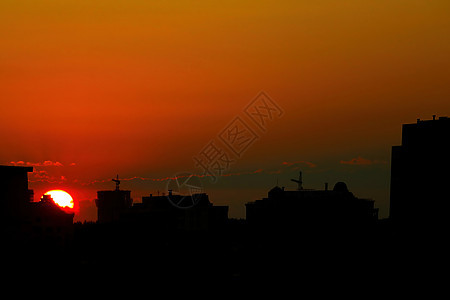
[[299, 181], [117, 181]]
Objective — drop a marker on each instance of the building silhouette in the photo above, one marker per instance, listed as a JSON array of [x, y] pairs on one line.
[[160, 213], [311, 211], [14, 192], [37, 225], [112, 204], [302, 234], [419, 176], [158, 235], [48, 224]]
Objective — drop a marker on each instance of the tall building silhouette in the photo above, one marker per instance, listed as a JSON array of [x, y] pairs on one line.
[[111, 205], [14, 192], [419, 193]]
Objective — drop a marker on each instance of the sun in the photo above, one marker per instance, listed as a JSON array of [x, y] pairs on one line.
[[62, 198]]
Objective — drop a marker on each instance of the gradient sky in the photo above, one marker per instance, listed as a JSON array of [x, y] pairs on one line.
[[91, 89]]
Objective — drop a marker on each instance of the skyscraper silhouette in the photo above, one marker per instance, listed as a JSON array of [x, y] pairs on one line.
[[14, 193], [419, 176]]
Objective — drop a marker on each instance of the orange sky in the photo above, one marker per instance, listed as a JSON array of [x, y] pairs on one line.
[[140, 87]]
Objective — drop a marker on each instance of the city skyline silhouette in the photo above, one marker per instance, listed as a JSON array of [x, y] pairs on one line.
[[95, 101], [275, 143], [326, 224]]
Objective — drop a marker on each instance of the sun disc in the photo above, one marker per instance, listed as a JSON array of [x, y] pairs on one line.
[[61, 198]]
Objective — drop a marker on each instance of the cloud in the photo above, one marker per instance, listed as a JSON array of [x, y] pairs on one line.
[[296, 163], [39, 175], [360, 161], [41, 172], [44, 176], [47, 163], [257, 171], [274, 172]]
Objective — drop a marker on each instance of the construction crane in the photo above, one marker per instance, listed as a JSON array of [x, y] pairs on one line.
[[117, 181], [299, 181]]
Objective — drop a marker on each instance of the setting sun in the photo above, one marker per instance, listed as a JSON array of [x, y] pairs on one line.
[[61, 198]]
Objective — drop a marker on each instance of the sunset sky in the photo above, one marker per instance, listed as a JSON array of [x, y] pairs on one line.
[[91, 89]]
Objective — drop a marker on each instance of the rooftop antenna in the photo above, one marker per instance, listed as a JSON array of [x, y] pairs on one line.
[[299, 181], [117, 181]]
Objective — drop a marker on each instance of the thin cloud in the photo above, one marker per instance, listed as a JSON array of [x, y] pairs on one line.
[[44, 176], [38, 174], [47, 163], [258, 171], [296, 163], [360, 161], [274, 172]]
